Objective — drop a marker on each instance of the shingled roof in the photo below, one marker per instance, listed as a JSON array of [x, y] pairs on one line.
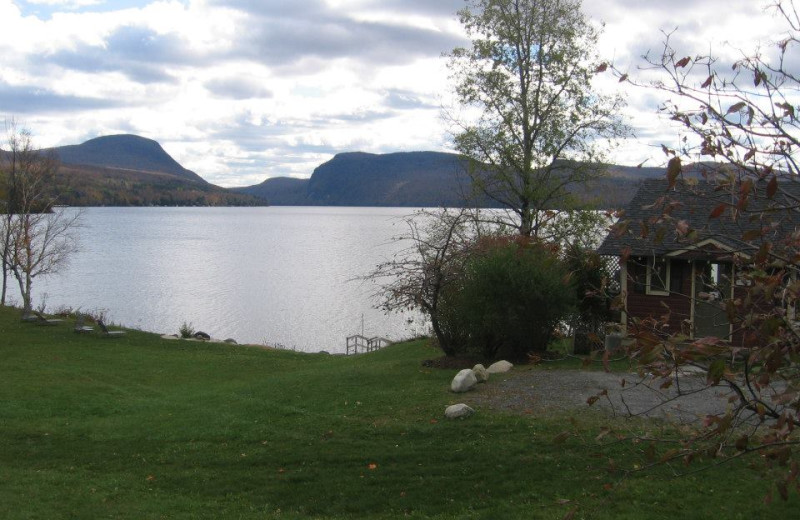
[[659, 220]]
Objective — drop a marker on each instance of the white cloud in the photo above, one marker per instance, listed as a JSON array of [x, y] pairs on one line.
[[66, 4]]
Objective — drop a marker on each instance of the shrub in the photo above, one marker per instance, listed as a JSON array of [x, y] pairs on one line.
[[514, 294], [186, 330]]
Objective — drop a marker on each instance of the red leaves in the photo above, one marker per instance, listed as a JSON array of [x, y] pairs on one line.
[[788, 110], [601, 68], [736, 107], [683, 62], [718, 211], [759, 77], [762, 255], [707, 82], [673, 171], [772, 187], [593, 399], [623, 78]]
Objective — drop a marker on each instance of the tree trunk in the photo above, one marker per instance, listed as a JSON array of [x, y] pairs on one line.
[[5, 286], [444, 344]]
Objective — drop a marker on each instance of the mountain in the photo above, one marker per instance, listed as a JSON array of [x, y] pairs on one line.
[[415, 179], [127, 152], [128, 170], [363, 179]]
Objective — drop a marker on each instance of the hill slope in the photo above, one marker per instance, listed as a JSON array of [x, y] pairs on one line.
[[99, 186]]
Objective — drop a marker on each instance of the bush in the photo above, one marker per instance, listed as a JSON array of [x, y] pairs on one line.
[[589, 275], [513, 296], [186, 330]]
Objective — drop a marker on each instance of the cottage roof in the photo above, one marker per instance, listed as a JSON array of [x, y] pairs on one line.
[[678, 222]]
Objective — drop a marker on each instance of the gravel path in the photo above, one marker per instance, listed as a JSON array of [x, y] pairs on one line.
[[528, 390]]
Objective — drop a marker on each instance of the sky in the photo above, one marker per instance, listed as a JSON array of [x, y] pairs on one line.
[[243, 90]]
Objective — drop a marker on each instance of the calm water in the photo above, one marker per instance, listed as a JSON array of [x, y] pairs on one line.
[[275, 275]]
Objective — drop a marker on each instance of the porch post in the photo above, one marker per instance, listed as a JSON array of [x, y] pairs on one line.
[[623, 287], [692, 300]]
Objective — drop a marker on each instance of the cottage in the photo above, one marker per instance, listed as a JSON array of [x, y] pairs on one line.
[[680, 249]]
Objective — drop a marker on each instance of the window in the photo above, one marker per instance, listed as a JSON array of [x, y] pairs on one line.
[[658, 276]]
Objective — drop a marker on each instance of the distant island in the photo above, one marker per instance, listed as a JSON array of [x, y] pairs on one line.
[[129, 170]]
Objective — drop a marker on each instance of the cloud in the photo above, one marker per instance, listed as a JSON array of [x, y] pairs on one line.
[[237, 88], [29, 99], [406, 100], [446, 8], [138, 52], [279, 34]]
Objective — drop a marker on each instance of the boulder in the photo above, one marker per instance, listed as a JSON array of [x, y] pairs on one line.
[[231, 341], [480, 373], [464, 381], [202, 335], [499, 367], [458, 410]]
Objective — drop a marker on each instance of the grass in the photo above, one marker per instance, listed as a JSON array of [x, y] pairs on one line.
[[140, 427]]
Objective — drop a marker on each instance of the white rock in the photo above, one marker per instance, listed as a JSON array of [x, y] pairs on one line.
[[464, 381], [458, 410], [480, 373], [500, 367]]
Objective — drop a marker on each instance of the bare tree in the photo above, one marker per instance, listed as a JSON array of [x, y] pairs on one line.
[[38, 237], [417, 277], [742, 119]]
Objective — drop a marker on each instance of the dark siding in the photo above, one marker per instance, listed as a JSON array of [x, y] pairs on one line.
[[678, 303]]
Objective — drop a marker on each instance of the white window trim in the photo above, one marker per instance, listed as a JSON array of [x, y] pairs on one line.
[[657, 292]]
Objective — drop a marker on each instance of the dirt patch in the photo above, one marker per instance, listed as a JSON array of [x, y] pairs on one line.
[[535, 391]]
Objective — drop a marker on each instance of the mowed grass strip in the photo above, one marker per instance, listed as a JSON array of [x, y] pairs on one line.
[[141, 427]]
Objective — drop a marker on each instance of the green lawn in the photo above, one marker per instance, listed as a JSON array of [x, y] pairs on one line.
[[140, 427]]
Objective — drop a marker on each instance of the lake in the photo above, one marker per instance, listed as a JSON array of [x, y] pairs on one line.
[[280, 275]]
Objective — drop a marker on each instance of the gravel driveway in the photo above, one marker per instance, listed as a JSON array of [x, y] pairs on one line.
[[529, 390]]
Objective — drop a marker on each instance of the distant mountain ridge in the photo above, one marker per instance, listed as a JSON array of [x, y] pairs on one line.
[[127, 152], [131, 170], [415, 179], [365, 179]]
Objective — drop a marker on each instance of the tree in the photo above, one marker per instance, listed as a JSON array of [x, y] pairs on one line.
[[742, 117], [417, 277], [528, 73], [37, 237]]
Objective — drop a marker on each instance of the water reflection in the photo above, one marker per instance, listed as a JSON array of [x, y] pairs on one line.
[[280, 275]]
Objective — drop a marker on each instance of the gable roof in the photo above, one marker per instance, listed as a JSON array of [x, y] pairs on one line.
[[661, 221]]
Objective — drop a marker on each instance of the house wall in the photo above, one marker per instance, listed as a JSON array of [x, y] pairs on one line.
[[679, 301]]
